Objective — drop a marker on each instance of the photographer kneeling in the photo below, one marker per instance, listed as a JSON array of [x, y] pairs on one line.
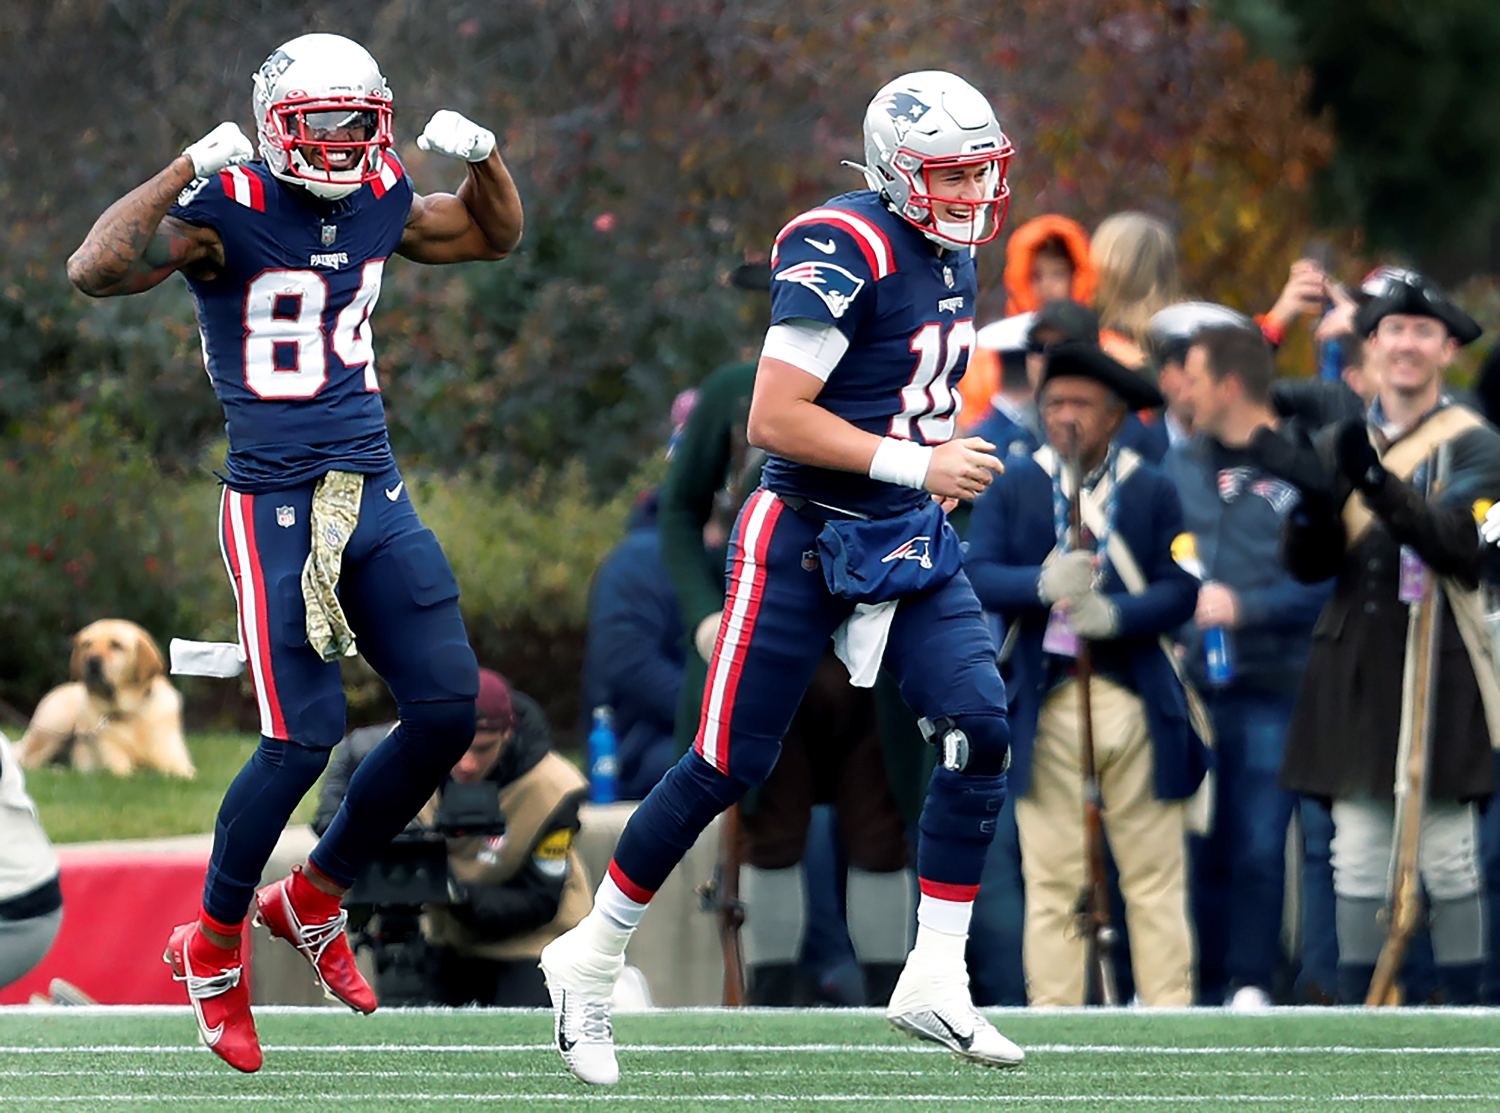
[[509, 811]]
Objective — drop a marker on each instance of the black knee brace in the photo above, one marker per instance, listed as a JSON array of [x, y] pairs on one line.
[[978, 745]]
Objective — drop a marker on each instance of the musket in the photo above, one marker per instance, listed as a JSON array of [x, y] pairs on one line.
[[1403, 909], [1093, 903], [720, 895]]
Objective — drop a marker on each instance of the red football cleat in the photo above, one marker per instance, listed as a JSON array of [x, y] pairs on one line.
[[321, 943], [219, 993]]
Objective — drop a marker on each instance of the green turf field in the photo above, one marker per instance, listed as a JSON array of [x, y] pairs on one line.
[[319, 1059]]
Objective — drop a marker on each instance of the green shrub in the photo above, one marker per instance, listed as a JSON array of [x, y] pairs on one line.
[[90, 528]]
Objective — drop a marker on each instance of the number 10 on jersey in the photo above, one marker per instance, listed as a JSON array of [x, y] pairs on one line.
[[930, 401]]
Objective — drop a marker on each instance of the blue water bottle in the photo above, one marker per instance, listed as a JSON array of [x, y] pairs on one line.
[[603, 765], [1220, 661]]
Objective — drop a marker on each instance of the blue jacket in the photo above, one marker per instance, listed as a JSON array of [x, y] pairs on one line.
[[1235, 510], [1009, 436], [634, 654], [1011, 533]]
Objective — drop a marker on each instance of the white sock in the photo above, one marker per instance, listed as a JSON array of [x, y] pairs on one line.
[[775, 914], [611, 901], [878, 908], [940, 947], [951, 917]]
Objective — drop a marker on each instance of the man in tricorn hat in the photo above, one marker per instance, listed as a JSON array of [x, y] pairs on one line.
[[1117, 587], [1389, 505]]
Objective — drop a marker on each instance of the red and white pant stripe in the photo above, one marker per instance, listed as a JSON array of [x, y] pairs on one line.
[[242, 559], [741, 608]]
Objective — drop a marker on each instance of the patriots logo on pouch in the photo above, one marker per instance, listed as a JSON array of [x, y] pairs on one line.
[[904, 110], [918, 549], [810, 560], [330, 233], [836, 286], [286, 517]]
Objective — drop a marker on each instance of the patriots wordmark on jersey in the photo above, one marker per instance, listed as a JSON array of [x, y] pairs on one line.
[[286, 324], [908, 313]]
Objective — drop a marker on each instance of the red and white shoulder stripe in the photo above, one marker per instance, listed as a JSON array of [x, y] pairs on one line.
[[867, 236], [390, 173], [244, 186]]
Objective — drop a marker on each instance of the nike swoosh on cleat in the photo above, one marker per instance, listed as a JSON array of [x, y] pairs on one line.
[[964, 1042], [827, 248], [394, 493], [211, 1035], [564, 1044]]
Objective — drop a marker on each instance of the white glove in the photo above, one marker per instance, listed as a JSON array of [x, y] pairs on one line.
[[1489, 529], [706, 635], [1094, 617], [1065, 576], [449, 133], [225, 146]]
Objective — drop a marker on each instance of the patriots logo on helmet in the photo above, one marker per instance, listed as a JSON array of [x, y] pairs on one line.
[[836, 286], [276, 65], [904, 110], [918, 549]]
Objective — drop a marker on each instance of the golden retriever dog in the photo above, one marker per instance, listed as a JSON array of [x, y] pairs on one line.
[[120, 711]]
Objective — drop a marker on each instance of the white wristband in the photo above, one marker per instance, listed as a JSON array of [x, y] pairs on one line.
[[903, 463]]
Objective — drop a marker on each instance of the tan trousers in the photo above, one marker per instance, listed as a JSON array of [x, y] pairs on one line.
[[1146, 835]]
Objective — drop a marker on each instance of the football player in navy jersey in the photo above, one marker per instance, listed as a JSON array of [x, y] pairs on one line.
[[284, 258], [855, 401]]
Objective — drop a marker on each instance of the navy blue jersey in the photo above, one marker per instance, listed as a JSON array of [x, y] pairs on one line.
[[286, 325], [909, 315]]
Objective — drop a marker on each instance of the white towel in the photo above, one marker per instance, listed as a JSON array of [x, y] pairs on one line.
[[222, 659], [860, 640]]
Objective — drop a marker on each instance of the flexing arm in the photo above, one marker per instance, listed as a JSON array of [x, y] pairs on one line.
[[483, 219], [135, 245], [785, 419]]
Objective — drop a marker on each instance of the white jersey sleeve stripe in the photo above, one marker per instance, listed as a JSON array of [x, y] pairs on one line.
[[811, 346]]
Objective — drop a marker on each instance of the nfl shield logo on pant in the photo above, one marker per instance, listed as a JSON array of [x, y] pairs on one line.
[[810, 560], [286, 516]]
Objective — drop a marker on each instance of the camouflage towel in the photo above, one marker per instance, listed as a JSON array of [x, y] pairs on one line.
[[335, 513]]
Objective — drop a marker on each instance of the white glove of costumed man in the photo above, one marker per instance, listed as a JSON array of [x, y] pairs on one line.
[[449, 133], [1067, 576], [1489, 529], [225, 146]]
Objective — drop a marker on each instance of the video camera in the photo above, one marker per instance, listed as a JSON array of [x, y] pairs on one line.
[[385, 902]]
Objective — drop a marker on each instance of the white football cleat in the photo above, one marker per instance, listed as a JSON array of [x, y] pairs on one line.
[[930, 1003], [581, 981]]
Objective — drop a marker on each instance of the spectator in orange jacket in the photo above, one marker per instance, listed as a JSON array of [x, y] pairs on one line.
[[1046, 259]]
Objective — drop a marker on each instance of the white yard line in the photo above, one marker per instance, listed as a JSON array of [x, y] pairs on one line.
[[581, 1098], [628, 1049]]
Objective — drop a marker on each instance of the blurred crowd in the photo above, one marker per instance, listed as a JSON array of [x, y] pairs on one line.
[[1250, 543]]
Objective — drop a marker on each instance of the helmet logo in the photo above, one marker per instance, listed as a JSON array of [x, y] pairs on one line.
[[276, 65], [833, 284], [904, 110]]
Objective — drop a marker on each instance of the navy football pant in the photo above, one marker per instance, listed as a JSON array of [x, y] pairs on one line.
[[778, 617], [401, 600]]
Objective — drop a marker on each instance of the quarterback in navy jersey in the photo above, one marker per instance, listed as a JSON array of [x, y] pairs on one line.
[[284, 257], [855, 403]]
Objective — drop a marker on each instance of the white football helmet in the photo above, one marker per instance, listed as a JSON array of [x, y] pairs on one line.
[[323, 111], [928, 121]]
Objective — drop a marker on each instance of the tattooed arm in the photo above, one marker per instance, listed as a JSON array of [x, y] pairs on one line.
[[135, 245]]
